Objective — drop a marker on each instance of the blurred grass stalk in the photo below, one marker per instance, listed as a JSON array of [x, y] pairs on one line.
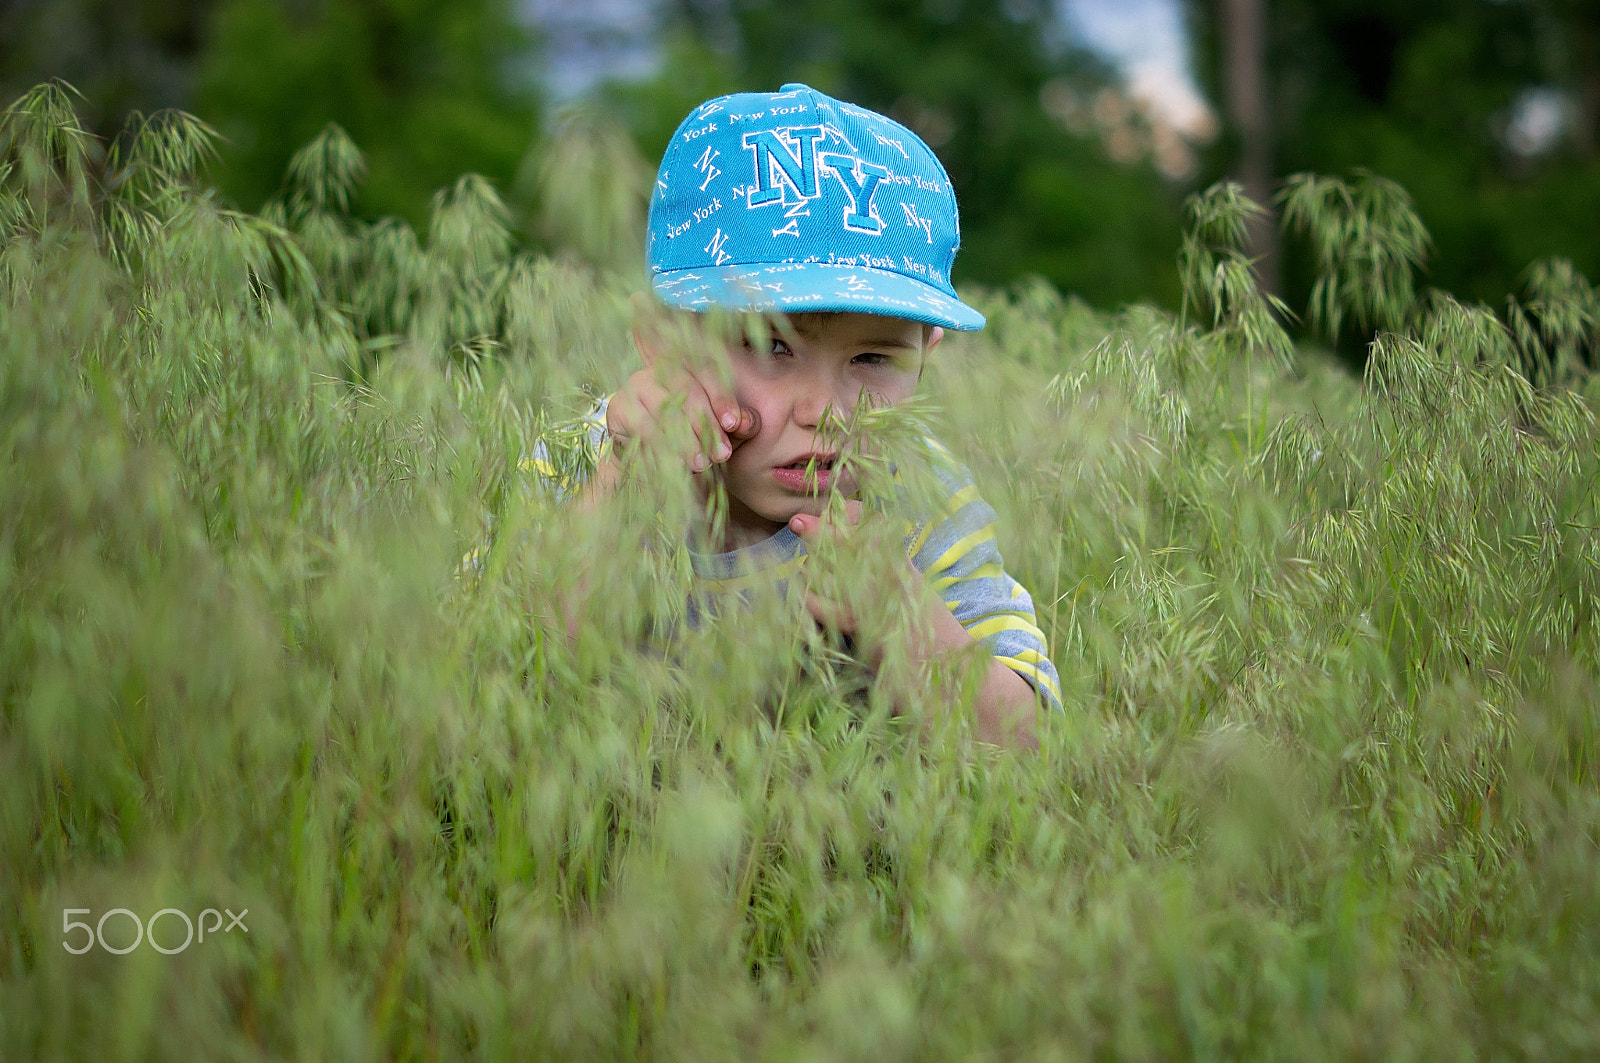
[[1325, 788]]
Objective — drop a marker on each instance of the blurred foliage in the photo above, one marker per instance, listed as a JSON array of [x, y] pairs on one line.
[[1325, 787], [430, 92], [124, 56], [589, 188], [1428, 94]]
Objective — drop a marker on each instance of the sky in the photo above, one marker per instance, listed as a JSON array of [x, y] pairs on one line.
[[1148, 41], [596, 39], [592, 40]]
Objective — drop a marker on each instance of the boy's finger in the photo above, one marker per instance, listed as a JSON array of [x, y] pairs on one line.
[[806, 525], [749, 424], [647, 349], [737, 421], [724, 406], [820, 611], [703, 415], [813, 523], [631, 414], [831, 616], [625, 416], [809, 526]]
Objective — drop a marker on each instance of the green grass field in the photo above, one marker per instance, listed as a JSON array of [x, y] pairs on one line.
[[1325, 786]]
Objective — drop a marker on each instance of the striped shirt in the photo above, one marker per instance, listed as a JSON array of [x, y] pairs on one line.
[[954, 547]]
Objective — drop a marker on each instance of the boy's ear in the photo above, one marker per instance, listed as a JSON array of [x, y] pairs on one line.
[[931, 335]]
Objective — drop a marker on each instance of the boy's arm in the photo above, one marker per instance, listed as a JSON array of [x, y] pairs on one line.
[[1006, 707], [958, 553], [581, 470], [968, 597], [626, 418]]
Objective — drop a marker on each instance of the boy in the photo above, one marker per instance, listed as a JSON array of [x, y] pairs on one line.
[[841, 225]]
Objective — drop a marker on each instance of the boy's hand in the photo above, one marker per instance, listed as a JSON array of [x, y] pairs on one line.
[[718, 419], [835, 616], [1005, 708], [867, 602]]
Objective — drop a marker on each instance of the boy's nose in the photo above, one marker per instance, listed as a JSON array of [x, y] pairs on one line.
[[817, 393]]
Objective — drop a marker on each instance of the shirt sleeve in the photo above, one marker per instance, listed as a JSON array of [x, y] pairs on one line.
[[958, 553], [565, 455], [560, 462]]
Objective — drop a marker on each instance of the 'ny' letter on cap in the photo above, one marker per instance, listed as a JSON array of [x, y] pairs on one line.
[[793, 201]]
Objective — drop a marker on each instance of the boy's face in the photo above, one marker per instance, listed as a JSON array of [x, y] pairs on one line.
[[827, 360]]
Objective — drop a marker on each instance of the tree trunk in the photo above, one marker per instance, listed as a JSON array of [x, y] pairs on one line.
[[1244, 77], [1586, 56]]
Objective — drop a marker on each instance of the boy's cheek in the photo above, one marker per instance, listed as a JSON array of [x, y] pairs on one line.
[[742, 475], [746, 382], [763, 396], [764, 408]]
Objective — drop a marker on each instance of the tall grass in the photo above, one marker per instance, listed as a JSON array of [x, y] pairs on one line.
[[1325, 787]]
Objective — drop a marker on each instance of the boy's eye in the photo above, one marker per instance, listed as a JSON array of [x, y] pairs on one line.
[[774, 346], [885, 359]]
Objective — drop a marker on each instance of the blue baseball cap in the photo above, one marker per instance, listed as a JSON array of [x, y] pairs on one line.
[[795, 202]]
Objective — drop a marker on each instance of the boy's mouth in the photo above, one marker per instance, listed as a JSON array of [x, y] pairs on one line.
[[808, 474]]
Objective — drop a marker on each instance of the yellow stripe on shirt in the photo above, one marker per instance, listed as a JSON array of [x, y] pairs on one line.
[[952, 506], [1030, 656], [960, 548], [995, 623], [1026, 670], [541, 466], [992, 570]]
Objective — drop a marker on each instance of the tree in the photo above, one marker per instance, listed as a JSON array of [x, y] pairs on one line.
[[427, 91], [125, 56], [1441, 96], [1243, 24]]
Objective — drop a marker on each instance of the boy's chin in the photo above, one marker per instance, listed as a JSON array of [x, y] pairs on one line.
[[783, 508], [785, 511], [811, 507]]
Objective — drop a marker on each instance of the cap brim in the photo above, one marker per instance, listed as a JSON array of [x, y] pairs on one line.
[[814, 287]]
